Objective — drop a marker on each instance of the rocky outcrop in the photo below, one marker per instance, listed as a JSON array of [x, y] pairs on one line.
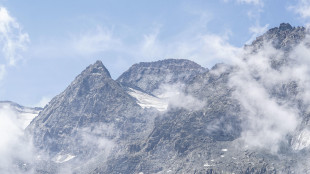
[[92, 101], [283, 37], [148, 76]]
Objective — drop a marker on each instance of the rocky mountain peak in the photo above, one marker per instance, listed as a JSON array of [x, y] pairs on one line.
[[169, 63], [283, 37], [97, 68], [92, 98], [285, 26], [149, 75]]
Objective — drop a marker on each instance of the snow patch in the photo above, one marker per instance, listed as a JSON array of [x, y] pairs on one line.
[[63, 158], [208, 165], [148, 101], [302, 140]]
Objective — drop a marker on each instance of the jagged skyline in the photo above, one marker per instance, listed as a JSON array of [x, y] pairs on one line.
[[174, 116], [52, 41]]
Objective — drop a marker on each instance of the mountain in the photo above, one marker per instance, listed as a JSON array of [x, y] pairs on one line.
[[93, 98], [174, 116], [92, 113]]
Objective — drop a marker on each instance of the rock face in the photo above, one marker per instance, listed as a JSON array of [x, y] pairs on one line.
[[138, 135], [149, 75], [283, 37], [92, 101]]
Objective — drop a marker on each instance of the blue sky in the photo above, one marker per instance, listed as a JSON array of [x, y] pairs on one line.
[[46, 44]]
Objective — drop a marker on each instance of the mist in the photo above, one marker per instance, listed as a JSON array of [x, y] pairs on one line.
[[176, 97], [269, 83], [16, 152]]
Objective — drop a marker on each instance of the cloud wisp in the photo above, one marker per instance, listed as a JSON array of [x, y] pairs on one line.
[[254, 2], [251, 2], [256, 31], [92, 42], [175, 97], [302, 8], [13, 40], [202, 48]]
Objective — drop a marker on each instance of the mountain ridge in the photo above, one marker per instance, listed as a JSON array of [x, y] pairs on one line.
[[209, 139], [168, 70]]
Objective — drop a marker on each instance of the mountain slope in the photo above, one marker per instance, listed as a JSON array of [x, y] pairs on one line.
[[250, 117], [93, 107], [212, 140]]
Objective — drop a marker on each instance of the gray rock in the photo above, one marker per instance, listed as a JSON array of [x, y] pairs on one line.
[[92, 104], [283, 37], [147, 76]]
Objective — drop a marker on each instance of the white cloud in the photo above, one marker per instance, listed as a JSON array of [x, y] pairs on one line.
[[85, 44], [44, 101], [150, 47], [13, 146], [255, 2], [174, 95], [205, 49], [256, 31], [219, 48], [13, 40], [302, 8], [301, 69], [266, 119], [98, 140], [266, 122], [96, 137], [202, 47], [96, 41]]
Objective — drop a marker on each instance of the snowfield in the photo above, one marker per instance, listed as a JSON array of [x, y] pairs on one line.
[[148, 101]]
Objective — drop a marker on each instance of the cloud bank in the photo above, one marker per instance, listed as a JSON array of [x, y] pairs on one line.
[[269, 85]]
